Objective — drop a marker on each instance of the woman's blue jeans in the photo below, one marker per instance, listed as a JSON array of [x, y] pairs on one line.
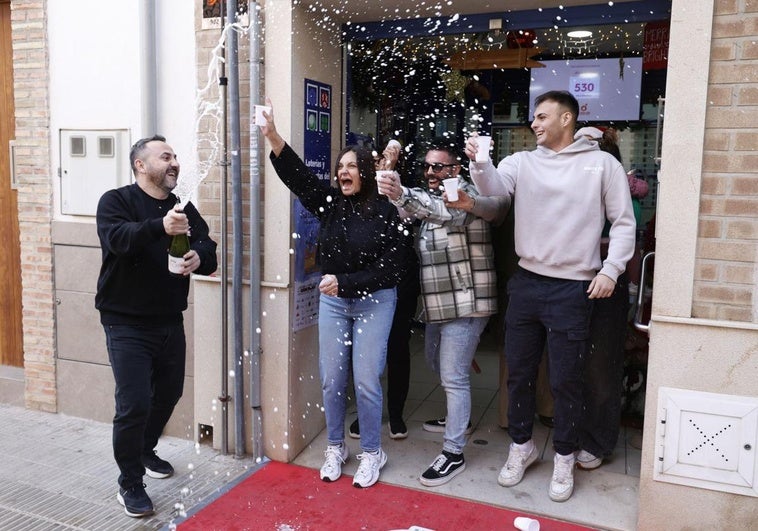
[[353, 335], [148, 366], [450, 347]]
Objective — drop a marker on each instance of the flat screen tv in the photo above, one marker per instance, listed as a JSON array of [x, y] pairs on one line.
[[607, 89]]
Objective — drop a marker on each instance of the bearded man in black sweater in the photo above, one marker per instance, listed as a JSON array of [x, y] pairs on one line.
[[141, 307]]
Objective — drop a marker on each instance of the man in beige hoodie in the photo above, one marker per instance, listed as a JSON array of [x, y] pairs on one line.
[[563, 192]]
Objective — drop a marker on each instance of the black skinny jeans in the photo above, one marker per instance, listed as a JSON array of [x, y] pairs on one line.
[[543, 309], [398, 350], [604, 372], [148, 367]]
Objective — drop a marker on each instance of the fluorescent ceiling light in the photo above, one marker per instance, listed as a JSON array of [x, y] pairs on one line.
[[579, 34]]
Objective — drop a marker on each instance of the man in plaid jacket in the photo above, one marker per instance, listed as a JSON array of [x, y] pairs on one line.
[[458, 285]]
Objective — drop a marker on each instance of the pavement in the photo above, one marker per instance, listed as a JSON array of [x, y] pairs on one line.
[[58, 473]]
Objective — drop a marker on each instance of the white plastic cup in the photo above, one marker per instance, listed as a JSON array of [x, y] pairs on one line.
[[384, 176], [259, 118], [394, 144], [526, 524], [451, 188], [483, 148]]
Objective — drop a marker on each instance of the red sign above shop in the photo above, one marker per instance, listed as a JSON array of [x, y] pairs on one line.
[[656, 47]]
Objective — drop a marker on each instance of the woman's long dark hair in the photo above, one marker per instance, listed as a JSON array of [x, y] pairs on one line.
[[610, 143]]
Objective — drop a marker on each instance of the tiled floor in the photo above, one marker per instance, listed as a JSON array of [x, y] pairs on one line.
[[605, 498]]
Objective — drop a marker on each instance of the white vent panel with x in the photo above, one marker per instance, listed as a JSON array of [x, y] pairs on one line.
[[707, 440]]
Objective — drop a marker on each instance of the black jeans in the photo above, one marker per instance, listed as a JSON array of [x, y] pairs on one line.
[[604, 372], [148, 367], [398, 350], [558, 311]]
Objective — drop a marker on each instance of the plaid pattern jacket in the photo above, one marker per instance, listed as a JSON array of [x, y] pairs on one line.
[[455, 252]]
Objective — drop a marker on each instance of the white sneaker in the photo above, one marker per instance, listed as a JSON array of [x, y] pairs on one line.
[[520, 457], [335, 457], [562, 483], [368, 469], [587, 461]]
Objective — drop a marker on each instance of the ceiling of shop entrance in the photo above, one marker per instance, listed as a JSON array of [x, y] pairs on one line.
[[377, 10], [617, 27]]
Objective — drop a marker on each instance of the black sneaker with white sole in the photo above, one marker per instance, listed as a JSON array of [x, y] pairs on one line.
[[155, 467], [438, 426], [444, 468], [398, 429], [135, 500], [354, 431]]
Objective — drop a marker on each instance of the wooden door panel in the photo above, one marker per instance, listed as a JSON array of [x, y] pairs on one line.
[[11, 338]]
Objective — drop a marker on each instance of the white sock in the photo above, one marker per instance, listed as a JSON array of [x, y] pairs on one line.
[[527, 447]]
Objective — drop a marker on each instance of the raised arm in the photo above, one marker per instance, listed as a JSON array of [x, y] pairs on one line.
[[488, 179], [491, 209], [420, 204], [269, 131]]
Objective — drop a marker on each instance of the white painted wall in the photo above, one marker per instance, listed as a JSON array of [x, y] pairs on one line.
[[95, 80], [177, 81], [295, 49]]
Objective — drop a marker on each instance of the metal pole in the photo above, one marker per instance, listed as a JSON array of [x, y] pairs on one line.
[[224, 397], [255, 234], [148, 69], [234, 122]]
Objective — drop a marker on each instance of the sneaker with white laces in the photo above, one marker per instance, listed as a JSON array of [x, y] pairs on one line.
[[438, 426], [135, 500], [336, 455], [520, 457], [368, 470], [562, 482], [155, 467], [587, 461], [444, 468]]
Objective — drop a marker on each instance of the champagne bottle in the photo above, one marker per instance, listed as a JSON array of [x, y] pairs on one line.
[[180, 246]]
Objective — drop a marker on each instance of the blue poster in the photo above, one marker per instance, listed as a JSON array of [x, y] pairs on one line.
[[316, 155]]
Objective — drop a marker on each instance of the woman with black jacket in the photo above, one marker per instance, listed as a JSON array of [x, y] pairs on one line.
[[362, 258]]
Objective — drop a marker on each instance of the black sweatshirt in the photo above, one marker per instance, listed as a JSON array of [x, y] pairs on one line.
[[360, 241], [135, 286]]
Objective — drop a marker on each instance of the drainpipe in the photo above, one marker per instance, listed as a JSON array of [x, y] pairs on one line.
[[234, 122], [148, 73], [224, 396], [255, 234]]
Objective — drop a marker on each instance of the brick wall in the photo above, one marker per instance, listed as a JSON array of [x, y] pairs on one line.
[[209, 139], [30, 77], [726, 274]]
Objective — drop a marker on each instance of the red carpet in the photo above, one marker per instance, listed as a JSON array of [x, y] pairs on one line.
[[286, 497]]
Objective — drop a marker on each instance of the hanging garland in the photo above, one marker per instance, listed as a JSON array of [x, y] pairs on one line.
[[455, 85]]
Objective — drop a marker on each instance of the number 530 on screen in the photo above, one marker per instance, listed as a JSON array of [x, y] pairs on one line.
[[582, 87]]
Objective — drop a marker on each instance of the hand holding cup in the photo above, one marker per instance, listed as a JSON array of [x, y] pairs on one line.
[[387, 183], [483, 144], [268, 128], [260, 114], [391, 155], [451, 188]]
